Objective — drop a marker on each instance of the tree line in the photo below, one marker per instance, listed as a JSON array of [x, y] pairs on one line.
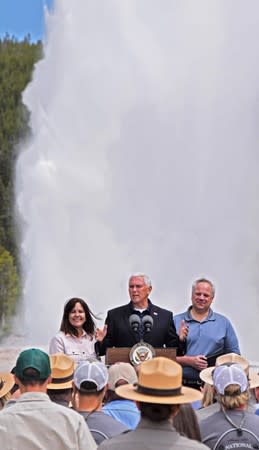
[[17, 59]]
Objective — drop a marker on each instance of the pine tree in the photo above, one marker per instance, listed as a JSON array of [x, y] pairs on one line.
[[9, 287], [17, 60]]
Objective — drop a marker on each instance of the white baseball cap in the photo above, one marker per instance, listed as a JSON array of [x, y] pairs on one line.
[[224, 376], [95, 371]]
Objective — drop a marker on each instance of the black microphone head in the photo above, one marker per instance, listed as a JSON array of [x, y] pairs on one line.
[[134, 321], [147, 322], [134, 318]]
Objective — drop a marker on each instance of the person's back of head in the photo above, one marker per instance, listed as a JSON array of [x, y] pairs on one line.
[[90, 381], [60, 396], [32, 370], [231, 385], [157, 412], [62, 371]]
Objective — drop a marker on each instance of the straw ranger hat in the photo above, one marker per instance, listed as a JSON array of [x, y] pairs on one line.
[[6, 383], [231, 358], [62, 371], [160, 381]]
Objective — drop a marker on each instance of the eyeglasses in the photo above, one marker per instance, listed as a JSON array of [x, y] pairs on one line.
[[137, 286]]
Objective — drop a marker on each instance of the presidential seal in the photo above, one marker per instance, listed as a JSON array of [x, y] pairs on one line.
[[141, 352]]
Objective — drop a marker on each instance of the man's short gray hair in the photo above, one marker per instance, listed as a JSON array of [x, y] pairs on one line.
[[204, 280], [146, 279]]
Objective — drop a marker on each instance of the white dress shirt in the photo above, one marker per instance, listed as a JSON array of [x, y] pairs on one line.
[[78, 348]]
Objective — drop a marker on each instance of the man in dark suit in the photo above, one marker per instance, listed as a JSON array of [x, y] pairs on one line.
[[121, 334]]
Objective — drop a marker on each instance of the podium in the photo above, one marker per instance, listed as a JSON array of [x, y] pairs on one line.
[[121, 354]]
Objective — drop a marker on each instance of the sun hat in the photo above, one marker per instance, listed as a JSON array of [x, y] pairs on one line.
[[231, 358], [121, 371], [33, 358], [6, 383], [224, 376], [160, 381], [94, 371], [62, 371]]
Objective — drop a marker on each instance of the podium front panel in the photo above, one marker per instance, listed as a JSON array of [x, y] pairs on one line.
[[121, 354], [117, 354]]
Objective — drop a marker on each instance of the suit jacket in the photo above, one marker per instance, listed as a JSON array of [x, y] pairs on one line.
[[120, 333]]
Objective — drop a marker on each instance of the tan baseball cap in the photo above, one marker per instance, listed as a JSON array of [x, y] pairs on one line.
[[121, 371]]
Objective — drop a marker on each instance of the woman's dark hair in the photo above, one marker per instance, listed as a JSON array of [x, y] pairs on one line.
[[89, 325], [186, 422]]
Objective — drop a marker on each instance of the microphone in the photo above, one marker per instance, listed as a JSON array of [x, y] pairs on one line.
[[134, 321], [148, 323]]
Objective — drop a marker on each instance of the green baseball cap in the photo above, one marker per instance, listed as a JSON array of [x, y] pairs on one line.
[[33, 358]]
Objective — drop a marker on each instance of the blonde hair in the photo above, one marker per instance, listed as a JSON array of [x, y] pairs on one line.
[[208, 395], [232, 397]]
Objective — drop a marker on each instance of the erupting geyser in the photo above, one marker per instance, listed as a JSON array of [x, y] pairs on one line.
[[144, 157]]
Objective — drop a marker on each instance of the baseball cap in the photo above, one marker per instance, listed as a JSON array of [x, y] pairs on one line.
[[121, 371], [95, 371], [224, 376], [33, 358]]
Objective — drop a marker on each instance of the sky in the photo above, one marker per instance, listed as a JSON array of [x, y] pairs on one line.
[[19, 18]]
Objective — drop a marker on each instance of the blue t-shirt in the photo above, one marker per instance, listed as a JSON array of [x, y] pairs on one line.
[[125, 411]]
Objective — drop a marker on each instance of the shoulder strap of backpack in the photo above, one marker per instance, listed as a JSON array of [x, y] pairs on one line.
[[239, 428], [221, 437]]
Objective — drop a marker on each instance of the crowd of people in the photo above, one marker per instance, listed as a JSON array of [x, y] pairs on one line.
[[69, 398]]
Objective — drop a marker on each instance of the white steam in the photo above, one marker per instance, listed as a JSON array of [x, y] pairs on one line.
[[144, 157]]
